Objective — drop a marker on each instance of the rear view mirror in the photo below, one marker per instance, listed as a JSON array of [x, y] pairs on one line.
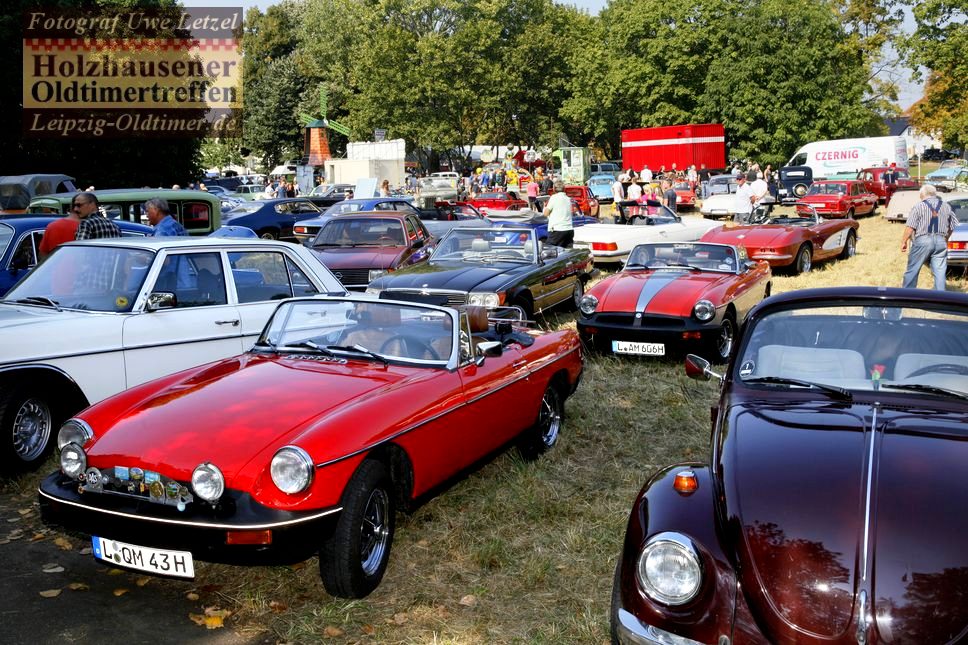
[[699, 368]]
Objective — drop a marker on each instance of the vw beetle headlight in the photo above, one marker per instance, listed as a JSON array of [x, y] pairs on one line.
[[668, 569], [376, 273], [489, 300], [587, 304], [704, 310], [74, 431], [73, 461], [292, 469], [208, 482]]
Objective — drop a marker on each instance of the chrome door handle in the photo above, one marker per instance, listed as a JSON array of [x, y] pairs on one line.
[[234, 323]]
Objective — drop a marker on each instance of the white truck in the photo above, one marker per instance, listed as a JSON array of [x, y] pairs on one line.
[[847, 156]]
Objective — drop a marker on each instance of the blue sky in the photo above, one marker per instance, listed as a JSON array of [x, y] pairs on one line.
[[909, 91]]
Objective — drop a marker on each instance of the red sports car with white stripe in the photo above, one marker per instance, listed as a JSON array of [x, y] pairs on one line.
[[672, 294]]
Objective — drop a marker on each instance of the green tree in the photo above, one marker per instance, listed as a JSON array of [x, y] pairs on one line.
[[938, 44], [272, 127], [218, 152]]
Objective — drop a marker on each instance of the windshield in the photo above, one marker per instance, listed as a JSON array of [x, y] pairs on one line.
[[435, 184], [827, 189], [479, 245], [361, 329], [959, 206], [860, 347], [96, 278], [706, 257], [359, 231], [6, 234], [600, 181], [246, 208]]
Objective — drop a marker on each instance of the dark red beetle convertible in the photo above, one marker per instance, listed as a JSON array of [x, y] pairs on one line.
[[833, 506], [344, 409]]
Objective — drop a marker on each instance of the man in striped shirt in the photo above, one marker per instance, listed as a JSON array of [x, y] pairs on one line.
[[930, 223]]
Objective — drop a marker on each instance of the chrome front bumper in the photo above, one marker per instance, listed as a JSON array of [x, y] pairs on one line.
[[632, 631]]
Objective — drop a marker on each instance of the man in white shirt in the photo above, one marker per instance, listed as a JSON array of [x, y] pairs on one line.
[[561, 231], [760, 188], [634, 192], [743, 205], [618, 191], [646, 173]]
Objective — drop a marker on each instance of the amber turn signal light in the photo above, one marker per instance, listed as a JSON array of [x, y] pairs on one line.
[[686, 482], [248, 537]]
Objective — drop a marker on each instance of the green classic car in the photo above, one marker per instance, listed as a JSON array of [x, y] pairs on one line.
[[198, 211]]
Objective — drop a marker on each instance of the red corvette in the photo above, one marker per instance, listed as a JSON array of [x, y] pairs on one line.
[[344, 409], [796, 241], [673, 293], [583, 195], [845, 198], [498, 201]]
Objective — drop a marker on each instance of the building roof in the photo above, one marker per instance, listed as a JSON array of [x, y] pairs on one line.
[[896, 127]]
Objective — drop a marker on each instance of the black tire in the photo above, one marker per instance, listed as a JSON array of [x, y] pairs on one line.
[[28, 423], [722, 343], [850, 246], [526, 306], [576, 294], [267, 234], [354, 557], [850, 213], [543, 435], [768, 290], [803, 262]]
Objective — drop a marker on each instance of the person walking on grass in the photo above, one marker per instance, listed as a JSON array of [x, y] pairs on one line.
[[930, 223], [561, 230]]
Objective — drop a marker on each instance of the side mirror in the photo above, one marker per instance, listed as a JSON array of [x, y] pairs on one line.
[[699, 368], [161, 300], [418, 244], [750, 264], [487, 348], [549, 254]]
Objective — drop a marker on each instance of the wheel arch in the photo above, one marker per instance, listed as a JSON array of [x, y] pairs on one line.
[[400, 467], [70, 398]]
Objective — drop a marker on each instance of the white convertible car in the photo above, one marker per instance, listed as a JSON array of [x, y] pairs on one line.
[[100, 316], [638, 223]]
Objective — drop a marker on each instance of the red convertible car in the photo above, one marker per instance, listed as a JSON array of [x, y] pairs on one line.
[[345, 409], [845, 198], [673, 294], [499, 201], [795, 241], [361, 247], [831, 509]]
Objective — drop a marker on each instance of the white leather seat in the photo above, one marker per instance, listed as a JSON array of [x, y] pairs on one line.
[[907, 364], [480, 246], [810, 363]]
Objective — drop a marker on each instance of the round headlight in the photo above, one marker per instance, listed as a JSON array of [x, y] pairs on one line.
[[292, 470], [74, 431], [73, 461], [207, 482], [587, 304], [704, 310], [375, 273], [668, 570], [490, 300]]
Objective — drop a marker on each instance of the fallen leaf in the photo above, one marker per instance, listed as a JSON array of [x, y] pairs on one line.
[[369, 630], [120, 591], [78, 586], [423, 543], [63, 543], [297, 566], [85, 551], [212, 618], [400, 619], [13, 519], [115, 572], [142, 581], [469, 600], [50, 593], [52, 567], [26, 511], [332, 631], [4, 541], [277, 606], [38, 537], [191, 595], [15, 535]]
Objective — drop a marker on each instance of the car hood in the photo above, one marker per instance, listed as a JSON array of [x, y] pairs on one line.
[[664, 291], [453, 275], [30, 332], [794, 480], [751, 236], [360, 257], [231, 411]]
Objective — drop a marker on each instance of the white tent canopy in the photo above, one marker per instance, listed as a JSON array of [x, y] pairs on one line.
[[283, 170]]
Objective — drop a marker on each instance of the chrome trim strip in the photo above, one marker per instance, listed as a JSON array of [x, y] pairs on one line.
[[206, 525], [54, 357], [436, 416], [869, 485]]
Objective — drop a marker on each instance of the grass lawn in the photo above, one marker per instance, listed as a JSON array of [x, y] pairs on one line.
[[517, 552]]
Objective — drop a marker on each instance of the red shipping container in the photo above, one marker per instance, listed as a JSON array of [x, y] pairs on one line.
[[683, 145]]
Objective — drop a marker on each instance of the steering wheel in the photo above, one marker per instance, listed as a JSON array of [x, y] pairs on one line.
[[942, 368], [409, 344]]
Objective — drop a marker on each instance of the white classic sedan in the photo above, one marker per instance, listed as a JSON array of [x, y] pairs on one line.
[[101, 316], [958, 242], [638, 224]]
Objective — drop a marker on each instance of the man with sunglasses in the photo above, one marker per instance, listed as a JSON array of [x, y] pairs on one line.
[[93, 225]]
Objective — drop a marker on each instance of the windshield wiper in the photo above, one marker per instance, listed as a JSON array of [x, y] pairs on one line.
[[38, 300], [683, 266], [356, 349], [920, 387], [779, 380]]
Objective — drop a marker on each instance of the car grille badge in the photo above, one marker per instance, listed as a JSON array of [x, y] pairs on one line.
[[136, 483]]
